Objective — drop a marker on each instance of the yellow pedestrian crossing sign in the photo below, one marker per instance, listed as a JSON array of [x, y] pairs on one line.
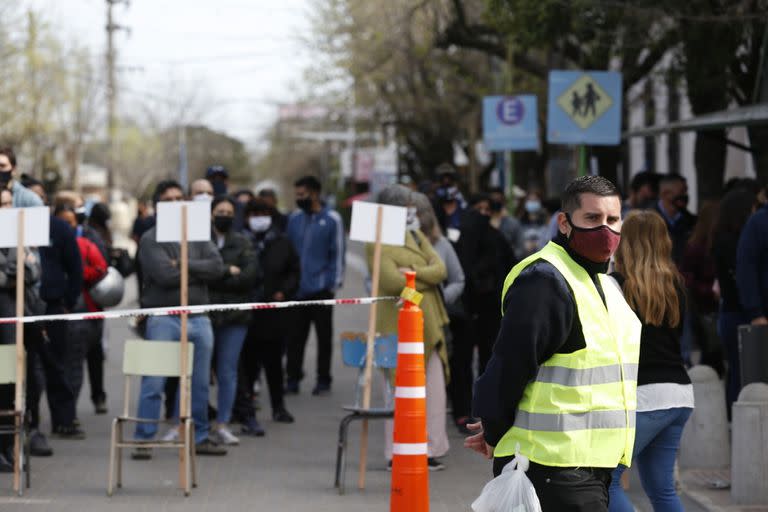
[[584, 107], [585, 101]]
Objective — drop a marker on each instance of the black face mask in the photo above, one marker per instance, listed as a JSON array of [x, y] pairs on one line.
[[496, 206], [223, 223], [5, 178], [305, 204], [681, 201]]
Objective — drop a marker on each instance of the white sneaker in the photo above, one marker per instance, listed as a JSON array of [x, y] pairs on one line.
[[226, 437], [172, 436]]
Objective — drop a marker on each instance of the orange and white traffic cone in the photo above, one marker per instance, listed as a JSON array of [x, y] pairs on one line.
[[410, 476]]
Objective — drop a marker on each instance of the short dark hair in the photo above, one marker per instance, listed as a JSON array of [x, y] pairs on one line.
[[258, 205], [667, 179], [479, 198], [644, 178], [28, 181], [222, 199], [164, 186], [8, 151], [586, 185], [310, 183], [245, 191]]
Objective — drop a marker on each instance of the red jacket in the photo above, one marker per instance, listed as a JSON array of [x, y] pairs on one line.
[[94, 268]]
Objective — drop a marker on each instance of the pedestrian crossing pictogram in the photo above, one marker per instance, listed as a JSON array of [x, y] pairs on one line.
[[585, 101]]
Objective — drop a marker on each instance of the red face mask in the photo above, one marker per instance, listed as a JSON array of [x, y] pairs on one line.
[[595, 244]]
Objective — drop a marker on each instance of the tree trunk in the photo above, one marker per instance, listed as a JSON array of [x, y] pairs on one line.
[[709, 158]]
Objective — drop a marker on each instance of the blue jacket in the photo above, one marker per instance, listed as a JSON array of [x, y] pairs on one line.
[[752, 265], [62, 277], [319, 241], [23, 197]]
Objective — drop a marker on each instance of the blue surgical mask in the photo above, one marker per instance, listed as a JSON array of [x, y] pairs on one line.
[[533, 206]]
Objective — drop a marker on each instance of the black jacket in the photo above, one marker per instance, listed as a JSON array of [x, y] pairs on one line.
[[680, 232], [233, 289], [485, 257], [62, 277], [280, 263], [540, 320]]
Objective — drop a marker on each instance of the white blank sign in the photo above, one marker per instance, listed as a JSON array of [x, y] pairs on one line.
[[169, 221], [363, 227], [37, 227]]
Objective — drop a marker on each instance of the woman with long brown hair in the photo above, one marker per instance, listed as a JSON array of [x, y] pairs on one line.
[[654, 289]]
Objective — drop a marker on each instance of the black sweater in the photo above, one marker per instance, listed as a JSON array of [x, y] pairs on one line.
[[540, 320], [661, 359]]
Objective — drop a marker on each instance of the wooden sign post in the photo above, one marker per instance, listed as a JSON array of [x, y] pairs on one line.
[[370, 345], [183, 223], [18, 463], [184, 340], [388, 228]]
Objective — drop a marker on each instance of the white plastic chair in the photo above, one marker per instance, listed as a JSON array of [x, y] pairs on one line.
[[156, 359]]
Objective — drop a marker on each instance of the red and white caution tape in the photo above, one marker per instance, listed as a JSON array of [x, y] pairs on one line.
[[194, 310]]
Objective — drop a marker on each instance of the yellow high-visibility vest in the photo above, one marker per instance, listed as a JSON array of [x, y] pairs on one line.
[[580, 408]]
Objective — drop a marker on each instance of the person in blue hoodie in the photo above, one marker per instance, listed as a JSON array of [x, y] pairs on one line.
[[317, 233]]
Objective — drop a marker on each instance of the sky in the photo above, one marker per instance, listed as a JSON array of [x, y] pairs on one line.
[[239, 57]]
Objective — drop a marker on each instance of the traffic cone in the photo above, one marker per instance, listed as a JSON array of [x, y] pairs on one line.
[[410, 476]]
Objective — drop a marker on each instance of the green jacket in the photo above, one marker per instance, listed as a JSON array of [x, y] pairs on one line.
[[418, 255]]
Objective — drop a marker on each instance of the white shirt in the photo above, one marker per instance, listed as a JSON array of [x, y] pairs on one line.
[[658, 397]]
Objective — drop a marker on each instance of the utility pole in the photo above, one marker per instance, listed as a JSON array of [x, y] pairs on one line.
[[111, 95]]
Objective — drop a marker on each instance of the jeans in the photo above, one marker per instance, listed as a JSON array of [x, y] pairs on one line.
[[728, 329], [228, 342], [201, 334], [657, 440]]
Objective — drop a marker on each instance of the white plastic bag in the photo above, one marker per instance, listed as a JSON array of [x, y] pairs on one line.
[[511, 491]]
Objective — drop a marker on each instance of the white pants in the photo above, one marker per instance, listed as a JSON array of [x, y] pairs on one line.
[[437, 435]]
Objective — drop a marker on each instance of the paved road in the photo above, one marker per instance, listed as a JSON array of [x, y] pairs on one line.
[[290, 469]]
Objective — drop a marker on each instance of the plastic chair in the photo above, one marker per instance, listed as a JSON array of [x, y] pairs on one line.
[[354, 352], [157, 359], [20, 425]]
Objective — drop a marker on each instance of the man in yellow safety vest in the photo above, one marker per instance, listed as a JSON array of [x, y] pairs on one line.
[[560, 386]]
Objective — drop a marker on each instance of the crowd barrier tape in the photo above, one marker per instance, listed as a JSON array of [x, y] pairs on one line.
[[193, 310]]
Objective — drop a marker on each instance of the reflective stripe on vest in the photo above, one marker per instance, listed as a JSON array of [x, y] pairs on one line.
[[580, 408]]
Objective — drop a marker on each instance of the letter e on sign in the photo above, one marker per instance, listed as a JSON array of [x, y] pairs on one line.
[[510, 110]]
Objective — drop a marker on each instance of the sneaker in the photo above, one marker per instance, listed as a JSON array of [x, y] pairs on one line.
[[172, 436], [100, 406], [435, 464], [282, 416], [251, 427], [71, 432], [141, 453], [225, 436], [292, 387], [209, 447], [38, 444], [321, 388]]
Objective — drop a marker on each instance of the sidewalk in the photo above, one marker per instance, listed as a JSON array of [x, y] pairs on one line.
[[700, 486], [291, 469]]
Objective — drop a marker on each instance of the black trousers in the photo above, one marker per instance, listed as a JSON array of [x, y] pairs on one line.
[[460, 385], [46, 357], [566, 489], [95, 359], [84, 339], [302, 319]]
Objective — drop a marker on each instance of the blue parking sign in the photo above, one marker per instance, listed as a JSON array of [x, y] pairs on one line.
[[510, 123], [584, 107]]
